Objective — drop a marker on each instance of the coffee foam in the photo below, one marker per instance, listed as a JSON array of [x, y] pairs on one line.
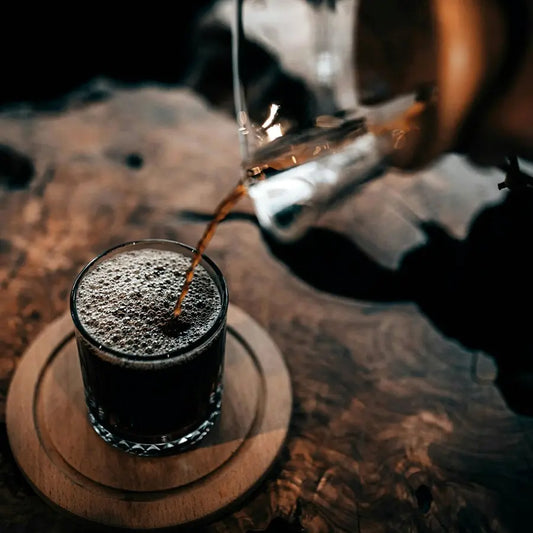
[[126, 302]]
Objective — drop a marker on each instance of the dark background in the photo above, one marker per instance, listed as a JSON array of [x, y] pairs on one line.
[[47, 53]]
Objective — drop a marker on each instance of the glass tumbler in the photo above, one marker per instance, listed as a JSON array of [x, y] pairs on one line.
[[150, 404]]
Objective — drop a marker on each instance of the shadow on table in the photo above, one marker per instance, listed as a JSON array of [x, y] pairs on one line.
[[475, 290]]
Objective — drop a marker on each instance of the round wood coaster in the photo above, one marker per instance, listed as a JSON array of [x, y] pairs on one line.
[[71, 467]]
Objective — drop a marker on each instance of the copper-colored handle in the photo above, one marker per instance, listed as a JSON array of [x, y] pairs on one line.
[[467, 50]]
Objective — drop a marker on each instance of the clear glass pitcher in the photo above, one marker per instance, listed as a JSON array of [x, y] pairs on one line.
[[306, 141], [355, 86]]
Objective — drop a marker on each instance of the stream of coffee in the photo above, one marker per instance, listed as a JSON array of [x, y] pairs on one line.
[[278, 157], [285, 153], [221, 212]]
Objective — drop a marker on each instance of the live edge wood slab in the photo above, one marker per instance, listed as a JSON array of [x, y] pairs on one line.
[[398, 425]]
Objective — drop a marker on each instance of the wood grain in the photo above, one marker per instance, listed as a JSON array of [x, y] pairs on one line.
[[392, 428]]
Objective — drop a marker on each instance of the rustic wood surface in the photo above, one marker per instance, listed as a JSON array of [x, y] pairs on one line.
[[399, 423]]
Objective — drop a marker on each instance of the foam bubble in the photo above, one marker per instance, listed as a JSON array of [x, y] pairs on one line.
[[126, 302]]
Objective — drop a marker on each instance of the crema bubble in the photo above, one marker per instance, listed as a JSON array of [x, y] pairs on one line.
[[126, 302]]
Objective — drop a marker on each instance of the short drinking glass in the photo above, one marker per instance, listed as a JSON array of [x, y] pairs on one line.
[[153, 384]]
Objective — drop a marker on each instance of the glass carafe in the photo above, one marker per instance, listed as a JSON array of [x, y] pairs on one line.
[[306, 140]]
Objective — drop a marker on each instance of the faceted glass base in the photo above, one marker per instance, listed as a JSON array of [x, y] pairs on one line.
[[166, 446]]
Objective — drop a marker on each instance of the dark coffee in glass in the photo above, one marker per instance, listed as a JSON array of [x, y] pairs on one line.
[[153, 384]]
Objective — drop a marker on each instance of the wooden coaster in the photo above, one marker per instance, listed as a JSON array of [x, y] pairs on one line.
[[71, 467]]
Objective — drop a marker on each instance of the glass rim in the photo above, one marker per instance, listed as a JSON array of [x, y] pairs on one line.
[[197, 345]]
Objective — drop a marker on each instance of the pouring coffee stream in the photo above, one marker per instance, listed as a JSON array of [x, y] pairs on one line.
[[291, 187], [281, 162], [222, 210]]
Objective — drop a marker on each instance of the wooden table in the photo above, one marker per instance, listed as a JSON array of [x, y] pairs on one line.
[[398, 424]]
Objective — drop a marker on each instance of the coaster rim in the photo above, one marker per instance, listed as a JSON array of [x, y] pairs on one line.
[[169, 507], [53, 440]]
